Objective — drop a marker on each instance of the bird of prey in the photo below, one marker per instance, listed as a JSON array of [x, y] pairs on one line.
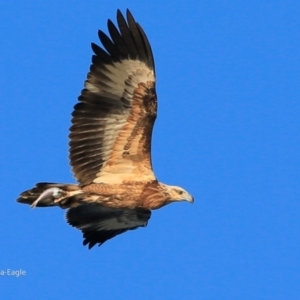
[[110, 142]]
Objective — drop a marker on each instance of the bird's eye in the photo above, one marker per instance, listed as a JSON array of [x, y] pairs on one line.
[[180, 192]]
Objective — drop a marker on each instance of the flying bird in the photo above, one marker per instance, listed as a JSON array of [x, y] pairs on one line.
[[110, 142]]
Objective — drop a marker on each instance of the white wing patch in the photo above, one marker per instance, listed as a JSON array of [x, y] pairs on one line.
[[118, 74]]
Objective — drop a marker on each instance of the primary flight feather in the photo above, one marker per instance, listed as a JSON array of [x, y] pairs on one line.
[[110, 142]]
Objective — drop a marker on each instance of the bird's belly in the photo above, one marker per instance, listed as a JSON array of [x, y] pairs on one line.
[[117, 196]]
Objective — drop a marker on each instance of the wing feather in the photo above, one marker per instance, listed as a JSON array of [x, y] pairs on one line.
[[112, 123], [127, 36], [99, 223]]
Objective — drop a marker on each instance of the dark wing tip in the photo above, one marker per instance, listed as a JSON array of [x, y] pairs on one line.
[[127, 41], [129, 16], [99, 223]]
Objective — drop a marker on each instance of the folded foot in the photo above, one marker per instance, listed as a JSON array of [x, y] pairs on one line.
[[52, 192]]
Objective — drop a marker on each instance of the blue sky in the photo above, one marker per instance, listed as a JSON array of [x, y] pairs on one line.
[[228, 76]]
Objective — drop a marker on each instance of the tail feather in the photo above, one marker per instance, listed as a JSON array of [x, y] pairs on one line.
[[30, 196]]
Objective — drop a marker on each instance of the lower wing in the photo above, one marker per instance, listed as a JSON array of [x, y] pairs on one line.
[[99, 223]]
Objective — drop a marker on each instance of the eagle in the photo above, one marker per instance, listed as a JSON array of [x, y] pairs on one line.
[[110, 142]]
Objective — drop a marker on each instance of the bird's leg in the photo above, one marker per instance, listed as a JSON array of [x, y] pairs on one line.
[[53, 192]]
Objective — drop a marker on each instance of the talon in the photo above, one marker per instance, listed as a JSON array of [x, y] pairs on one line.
[[53, 192]]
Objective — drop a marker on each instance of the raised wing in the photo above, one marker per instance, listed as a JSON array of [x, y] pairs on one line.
[[110, 139], [100, 223]]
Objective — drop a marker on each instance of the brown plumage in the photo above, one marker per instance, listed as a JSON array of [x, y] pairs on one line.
[[110, 142]]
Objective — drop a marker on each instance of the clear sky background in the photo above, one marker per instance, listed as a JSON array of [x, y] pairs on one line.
[[228, 76]]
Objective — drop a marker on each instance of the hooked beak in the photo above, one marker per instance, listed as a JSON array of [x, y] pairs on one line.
[[190, 198]]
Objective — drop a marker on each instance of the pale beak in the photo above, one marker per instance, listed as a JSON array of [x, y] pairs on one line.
[[190, 198]]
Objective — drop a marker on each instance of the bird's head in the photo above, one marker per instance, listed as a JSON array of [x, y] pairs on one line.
[[177, 193]]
